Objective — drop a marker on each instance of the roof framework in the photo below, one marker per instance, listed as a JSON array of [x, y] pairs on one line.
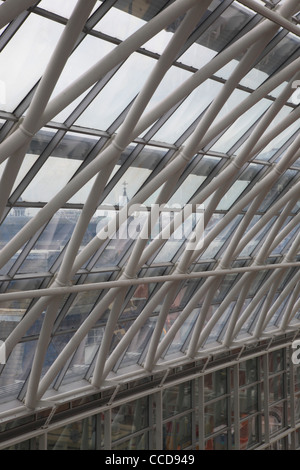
[[149, 189]]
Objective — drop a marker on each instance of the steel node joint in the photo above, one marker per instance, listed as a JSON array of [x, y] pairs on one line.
[[25, 131]]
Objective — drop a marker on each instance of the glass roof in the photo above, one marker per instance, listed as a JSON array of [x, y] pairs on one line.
[[126, 129]]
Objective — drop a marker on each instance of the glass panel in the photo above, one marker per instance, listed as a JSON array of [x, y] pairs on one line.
[[225, 27], [219, 442], [83, 356], [249, 432], [58, 170], [191, 184], [215, 416], [241, 125], [89, 51], [16, 370], [83, 304], [219, 329], [276, 418], [276, 387], [183, 333], [123, 25], [63, 9], [177, 399], [115, 96], [215, 384], [145, 9], [188, 112], [248, 400], [279, 186], [11, 225], [11, 312], [177, 434], [278, 141], [129, 418], [25, 57], [139, 344], [55, 236], [249, 248], [220, 239], [276, 361], [36, 147], [128, 183], [283, 246], [80, 435], [248, 372]]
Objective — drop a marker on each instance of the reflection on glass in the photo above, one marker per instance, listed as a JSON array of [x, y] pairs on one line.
[[11, 312], [215, 416], [215, 384], [252, 244], [55, 236], [220, 327], [139, 343], [181, 336], [221, 238], [177, 434], [248, 400], [276, 387], [80, 435], [277, 142], [276, 418], [177, 399], [279, 186], [129, 418], [12, 224], [83, 356], [248, 372], [83, 304], [276, 360], [16, 370]]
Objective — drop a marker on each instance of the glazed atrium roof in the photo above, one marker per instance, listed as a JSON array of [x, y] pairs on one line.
[[149, 179]]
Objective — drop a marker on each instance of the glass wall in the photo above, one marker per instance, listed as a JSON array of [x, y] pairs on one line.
[[253, 403]]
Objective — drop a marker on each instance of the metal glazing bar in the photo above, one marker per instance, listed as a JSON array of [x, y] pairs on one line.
[[36, 293], [272, 15]]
